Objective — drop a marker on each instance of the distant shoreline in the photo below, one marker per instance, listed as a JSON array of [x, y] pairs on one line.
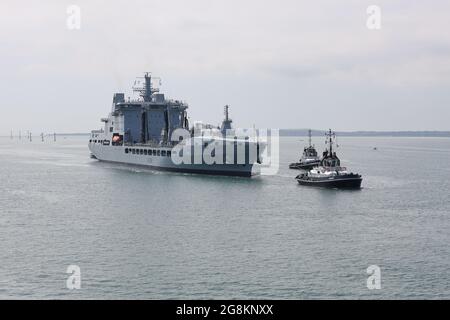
[[304, 132], [316, 133]]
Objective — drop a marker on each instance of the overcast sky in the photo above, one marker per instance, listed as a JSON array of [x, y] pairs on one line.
[[278, 64]]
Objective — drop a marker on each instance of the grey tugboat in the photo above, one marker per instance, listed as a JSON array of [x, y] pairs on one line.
[[330, 174], [309, 159]]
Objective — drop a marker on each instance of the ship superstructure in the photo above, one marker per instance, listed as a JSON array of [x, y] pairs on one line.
[[146, 131]]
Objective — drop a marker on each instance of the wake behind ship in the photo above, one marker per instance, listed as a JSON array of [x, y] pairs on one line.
[[154, 132]]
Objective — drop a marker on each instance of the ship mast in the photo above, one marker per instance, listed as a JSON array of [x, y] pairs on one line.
[[309, 135], [226, 113], [147, 90], [330, 135], [226, 123]]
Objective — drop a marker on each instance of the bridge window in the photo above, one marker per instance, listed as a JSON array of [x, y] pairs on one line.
[[126, 150], [163, 153], [154, 152], [159, 152], [169, 153]]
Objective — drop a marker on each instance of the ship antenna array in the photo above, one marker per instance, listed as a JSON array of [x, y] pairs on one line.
[[146, 91]]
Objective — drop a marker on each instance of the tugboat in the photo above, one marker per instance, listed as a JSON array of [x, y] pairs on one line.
[[309, 159], [330, 174]]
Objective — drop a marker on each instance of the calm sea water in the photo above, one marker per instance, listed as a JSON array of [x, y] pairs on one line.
[[138, 233]]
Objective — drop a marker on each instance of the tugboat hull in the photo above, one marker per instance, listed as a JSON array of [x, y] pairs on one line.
[[339, 183]]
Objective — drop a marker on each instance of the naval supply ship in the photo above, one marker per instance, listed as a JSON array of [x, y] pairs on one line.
[[154, 132]]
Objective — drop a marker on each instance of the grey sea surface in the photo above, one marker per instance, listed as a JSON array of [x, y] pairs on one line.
[[143, 234]]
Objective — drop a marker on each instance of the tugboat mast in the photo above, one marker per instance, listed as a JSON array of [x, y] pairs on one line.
[[330, 135], [309, 135]]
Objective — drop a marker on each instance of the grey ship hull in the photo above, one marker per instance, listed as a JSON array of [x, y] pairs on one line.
[[116, 154]]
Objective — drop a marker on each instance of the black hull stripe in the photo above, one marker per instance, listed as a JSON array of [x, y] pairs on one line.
[[350, 183]]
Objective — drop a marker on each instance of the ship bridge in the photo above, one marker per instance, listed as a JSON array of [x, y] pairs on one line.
[[150, 119]]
